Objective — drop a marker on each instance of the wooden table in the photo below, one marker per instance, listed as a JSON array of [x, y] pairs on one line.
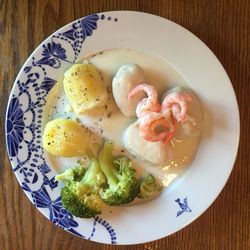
[[223, 25]]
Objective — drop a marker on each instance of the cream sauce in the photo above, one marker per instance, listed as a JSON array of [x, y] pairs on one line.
[[109, 123]]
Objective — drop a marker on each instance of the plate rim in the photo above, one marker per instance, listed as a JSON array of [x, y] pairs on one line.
[[186, 30]]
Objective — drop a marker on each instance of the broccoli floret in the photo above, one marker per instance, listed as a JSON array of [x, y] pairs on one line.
[[121, 177], [81, 197], [148, 186], [80, 204], [72, 174]]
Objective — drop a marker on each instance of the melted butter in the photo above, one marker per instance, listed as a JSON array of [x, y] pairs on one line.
[[108, 122]]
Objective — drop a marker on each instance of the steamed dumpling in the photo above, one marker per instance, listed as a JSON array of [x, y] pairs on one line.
[[125, 79], [153, 152]]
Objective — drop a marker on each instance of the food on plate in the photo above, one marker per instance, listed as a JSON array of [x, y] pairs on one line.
[[157, 121], [156, 153], [80, 195], [148, 186], [147, 104], [157, 124], [84, 87], [121, 177], [65, 137], [187, 111], [108, 179], [177, 103], [127, 76], [150, 128], [72, 174]]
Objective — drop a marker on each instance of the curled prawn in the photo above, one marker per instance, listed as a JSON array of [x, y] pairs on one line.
[[177, 102], [147, 104], [158, 122], [154, 126]]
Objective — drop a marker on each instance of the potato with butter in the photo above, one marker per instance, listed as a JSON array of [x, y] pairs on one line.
[[84, 87], [65, 137]]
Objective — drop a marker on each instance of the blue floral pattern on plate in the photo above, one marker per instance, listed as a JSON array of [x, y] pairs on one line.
[[52, 54], [15, 126], [24, 119]]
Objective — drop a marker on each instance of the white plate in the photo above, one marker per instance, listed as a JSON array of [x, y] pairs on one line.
[[188, 197]]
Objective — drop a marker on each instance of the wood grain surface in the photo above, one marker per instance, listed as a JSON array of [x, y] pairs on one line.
[[224, 25]]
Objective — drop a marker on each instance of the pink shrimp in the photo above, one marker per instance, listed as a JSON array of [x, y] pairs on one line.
[[172, 130], [177, 102], [148, 104], [167, 114], [153, 126]]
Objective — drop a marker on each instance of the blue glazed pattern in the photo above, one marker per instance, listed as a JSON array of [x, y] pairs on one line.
[[24, 122], [107, 227], [15, 126], [183, 206], [52, 54]]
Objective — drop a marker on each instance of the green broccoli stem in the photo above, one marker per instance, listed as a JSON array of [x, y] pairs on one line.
[[106, 160], [92, 172]]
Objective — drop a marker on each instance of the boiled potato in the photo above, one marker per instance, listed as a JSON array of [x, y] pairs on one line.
[[84, 87], [65, 137]]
